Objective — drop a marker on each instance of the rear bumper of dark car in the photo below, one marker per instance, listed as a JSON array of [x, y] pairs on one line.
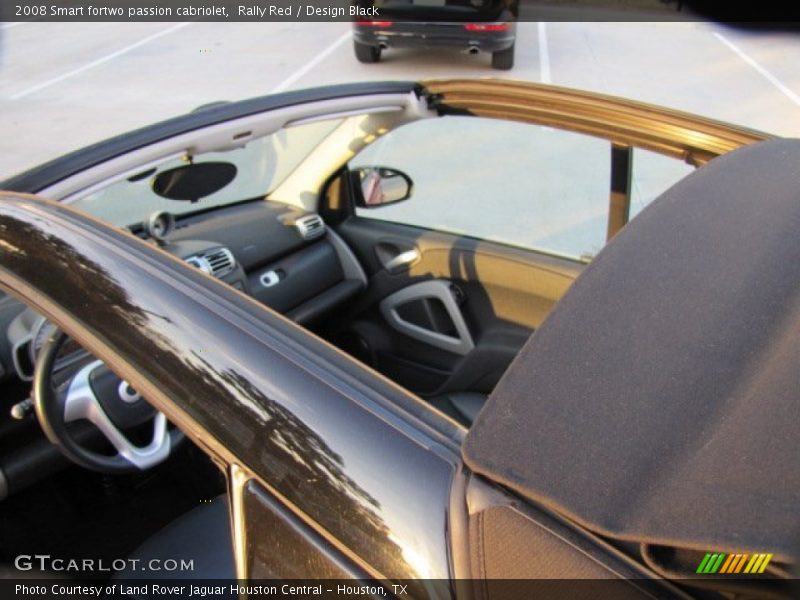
[[435, 35]]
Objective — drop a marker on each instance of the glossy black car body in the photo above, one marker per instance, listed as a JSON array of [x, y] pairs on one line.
[[222, 395], [332, 469], [306, 450]]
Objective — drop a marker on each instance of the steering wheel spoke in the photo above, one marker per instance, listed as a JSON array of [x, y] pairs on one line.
[[82, 403], [78, 400]]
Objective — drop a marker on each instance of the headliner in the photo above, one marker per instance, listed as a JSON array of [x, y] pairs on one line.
[[660, 400]]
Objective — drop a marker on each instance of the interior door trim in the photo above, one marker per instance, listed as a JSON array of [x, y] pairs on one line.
[[440, 289]]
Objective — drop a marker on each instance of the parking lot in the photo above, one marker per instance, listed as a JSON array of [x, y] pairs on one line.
[[63, 86]]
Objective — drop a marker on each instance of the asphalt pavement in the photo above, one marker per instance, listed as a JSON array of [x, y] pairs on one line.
[[66, 85]]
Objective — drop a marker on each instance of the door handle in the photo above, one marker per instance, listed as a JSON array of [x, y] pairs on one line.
[[404, 259]]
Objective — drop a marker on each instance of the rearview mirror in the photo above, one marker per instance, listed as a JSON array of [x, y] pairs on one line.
[[382, 185], [194, 181]]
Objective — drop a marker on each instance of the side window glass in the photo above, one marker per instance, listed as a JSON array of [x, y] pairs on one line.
[[524, 185], [653, 174]]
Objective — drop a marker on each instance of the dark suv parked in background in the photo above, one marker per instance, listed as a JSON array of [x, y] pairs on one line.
[[472, 25]]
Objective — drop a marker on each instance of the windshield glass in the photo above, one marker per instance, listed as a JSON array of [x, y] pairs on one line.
[[261, 166]]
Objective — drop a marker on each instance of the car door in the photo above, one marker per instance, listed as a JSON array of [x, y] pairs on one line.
[[501, 219], [515, 188]]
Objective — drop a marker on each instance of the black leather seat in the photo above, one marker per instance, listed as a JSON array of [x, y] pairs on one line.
[[462, 406], [203, 535]]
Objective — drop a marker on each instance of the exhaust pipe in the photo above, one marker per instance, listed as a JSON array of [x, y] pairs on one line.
[[473, 50], [383, 45]]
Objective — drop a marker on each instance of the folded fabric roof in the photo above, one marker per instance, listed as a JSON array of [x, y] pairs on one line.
[[660, 401]]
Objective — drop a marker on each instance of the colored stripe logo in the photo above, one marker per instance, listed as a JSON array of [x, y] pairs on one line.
[[719, 562]]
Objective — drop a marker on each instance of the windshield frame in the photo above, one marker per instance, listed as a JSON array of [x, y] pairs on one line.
[[277, 146]]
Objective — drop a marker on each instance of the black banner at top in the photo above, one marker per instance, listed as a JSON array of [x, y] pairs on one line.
[[765, 11]]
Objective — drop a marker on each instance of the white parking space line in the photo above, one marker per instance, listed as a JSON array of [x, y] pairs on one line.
[[761, 70], [98, 62], [292, 79], [544, 53]]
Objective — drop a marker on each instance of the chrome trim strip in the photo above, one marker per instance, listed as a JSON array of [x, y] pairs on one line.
[[403, 259], [237, 479]]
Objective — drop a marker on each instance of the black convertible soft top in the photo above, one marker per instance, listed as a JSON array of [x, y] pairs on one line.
[[660, 401]]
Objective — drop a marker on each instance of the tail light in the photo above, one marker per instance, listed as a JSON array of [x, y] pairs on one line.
[[374, 23], [485, 27]]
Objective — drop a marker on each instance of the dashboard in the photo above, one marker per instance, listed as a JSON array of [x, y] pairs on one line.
[[284, 257]]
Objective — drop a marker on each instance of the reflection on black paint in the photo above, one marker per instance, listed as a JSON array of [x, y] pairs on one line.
[[298, 462], [278, 446]]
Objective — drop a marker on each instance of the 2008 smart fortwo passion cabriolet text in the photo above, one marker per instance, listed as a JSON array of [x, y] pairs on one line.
[[330, 334]]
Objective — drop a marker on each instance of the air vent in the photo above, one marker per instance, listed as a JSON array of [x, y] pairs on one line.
[[200, 263], [220, 261], [217, 262], [310, 226]]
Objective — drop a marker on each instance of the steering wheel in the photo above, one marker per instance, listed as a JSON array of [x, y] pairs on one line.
[[94, 393]]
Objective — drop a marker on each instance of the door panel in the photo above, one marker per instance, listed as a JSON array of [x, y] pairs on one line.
[[279, 546], [453, 313], [430, 311]]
